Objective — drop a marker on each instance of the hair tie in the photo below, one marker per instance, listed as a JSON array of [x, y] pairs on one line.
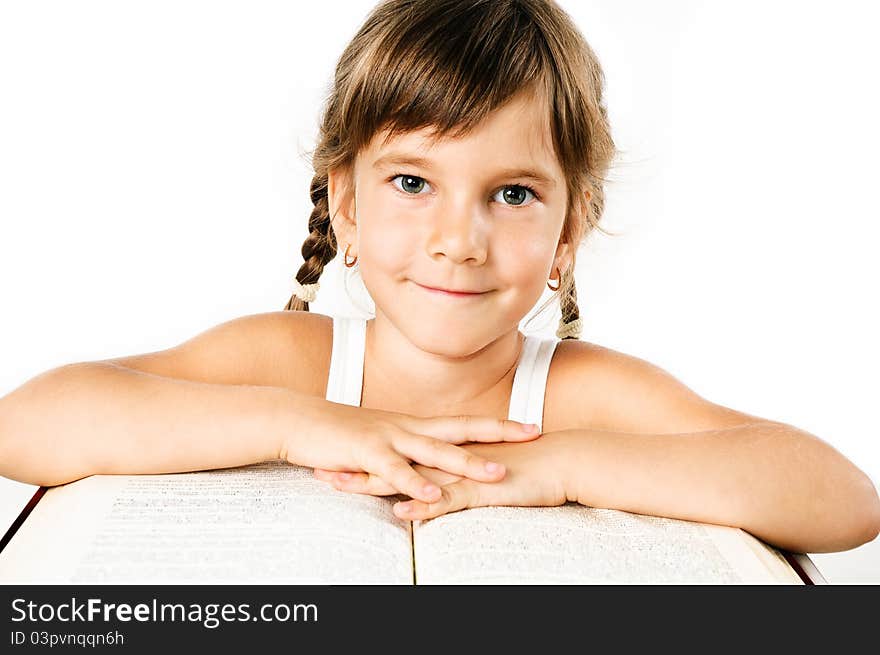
[[306, 292], [570, 329]]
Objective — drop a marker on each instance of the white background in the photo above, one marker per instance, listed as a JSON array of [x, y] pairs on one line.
[[154, 181]]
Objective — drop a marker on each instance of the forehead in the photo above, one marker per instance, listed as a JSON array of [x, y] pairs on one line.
[[517, 133]]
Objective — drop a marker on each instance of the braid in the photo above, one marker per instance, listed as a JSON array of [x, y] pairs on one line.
[[570, 323], [319, 247]]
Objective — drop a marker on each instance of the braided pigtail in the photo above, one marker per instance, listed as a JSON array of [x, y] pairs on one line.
[[570, 325], [318, 248]]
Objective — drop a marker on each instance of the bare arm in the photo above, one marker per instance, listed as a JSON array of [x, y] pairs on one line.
[[777, 482], [92, 418]]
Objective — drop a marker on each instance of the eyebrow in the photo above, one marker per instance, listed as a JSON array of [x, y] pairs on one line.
[[399, 159]]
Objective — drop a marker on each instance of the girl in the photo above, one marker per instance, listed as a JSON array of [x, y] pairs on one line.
[[460, 164]]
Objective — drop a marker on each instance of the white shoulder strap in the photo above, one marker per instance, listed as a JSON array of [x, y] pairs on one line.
[[345, 381], [530, 380]]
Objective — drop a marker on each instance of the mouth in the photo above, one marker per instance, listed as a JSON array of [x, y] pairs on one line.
[[451, 294]]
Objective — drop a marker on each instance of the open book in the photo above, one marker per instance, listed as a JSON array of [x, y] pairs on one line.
[[273, 523]]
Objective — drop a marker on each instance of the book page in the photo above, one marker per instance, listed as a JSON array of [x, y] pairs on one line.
[[269, 523], [575, 544]]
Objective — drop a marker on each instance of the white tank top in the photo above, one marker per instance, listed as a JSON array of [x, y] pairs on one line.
[[345, 382]]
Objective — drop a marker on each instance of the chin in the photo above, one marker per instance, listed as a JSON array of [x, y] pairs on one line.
[[446, 341]]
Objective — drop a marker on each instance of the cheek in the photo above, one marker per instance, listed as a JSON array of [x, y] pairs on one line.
[[525, 256], [383, 232]]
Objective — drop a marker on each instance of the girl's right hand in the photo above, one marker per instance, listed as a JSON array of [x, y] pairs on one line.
[[340, 437]]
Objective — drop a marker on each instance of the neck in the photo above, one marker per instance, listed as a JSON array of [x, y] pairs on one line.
[[419, 382]]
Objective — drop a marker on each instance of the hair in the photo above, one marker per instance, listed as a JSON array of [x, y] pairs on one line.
[[446, 64]]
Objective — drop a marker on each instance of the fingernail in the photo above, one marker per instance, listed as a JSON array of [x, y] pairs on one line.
[[492, 467], [431, 490], [404, 507], [345, 476], [530, 428]]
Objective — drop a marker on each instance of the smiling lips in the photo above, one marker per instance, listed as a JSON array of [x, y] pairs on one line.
[[451, 294]]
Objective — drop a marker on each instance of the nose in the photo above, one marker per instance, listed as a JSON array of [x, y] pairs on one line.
[[459, 231]]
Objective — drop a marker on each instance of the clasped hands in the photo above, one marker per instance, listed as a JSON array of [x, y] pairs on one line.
[[531, 473]]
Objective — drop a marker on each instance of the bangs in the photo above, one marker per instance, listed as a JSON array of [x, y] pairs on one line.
[[447, 69]]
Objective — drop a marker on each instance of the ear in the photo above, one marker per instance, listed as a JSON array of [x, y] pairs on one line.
[[562, 259], [340, 201]]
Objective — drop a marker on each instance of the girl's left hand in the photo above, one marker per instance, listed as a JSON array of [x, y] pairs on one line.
[[535, 477]]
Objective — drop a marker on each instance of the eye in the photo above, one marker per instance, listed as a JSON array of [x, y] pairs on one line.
[[410, 184], [516, 194]]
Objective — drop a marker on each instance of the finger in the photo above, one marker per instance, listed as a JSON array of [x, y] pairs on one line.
[[326, 474], [456, 496], [437, 476], [362, 483], [400, 475], [323, 474], [484, 429], [447, 457]]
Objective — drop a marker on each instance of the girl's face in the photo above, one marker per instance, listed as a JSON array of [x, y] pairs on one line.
[[482, 213]]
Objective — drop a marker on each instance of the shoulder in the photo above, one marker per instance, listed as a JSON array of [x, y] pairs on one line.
[[288, 349], [297, 346], [597, 388]]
